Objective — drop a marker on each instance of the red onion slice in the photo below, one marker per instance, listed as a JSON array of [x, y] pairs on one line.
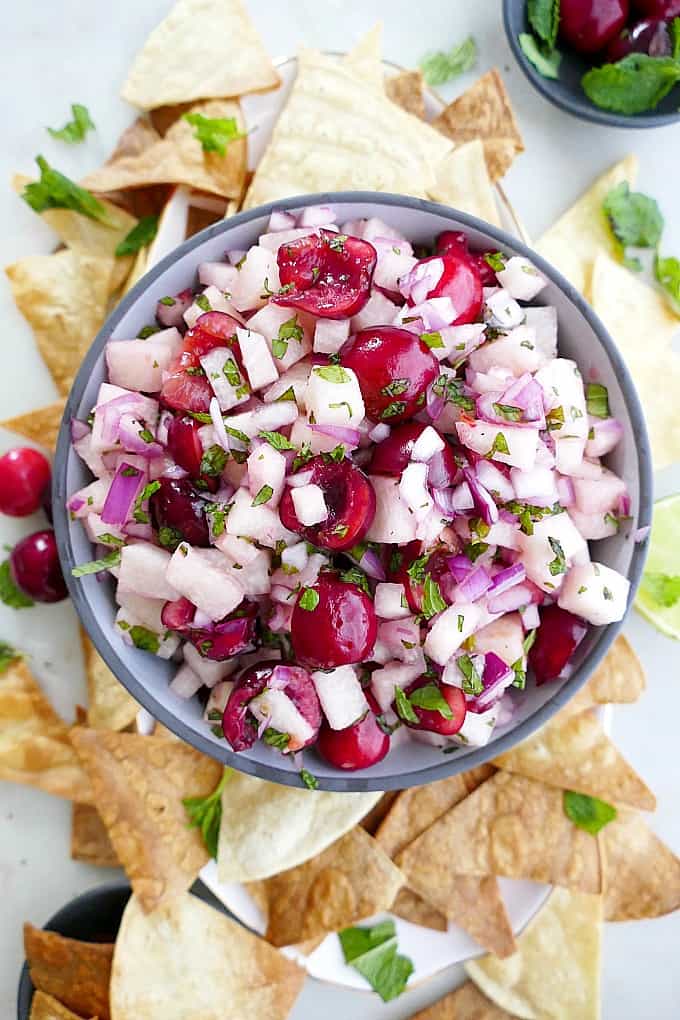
[[508, 578], [476, 584], [342, 433], [483, 501], [127, 483]]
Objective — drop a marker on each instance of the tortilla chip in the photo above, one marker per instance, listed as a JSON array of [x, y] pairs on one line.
[[576, 754], [510, 826], [76, 973], [90, 838], [64, 299], [349, 881], [556, 971], [643, 327], [40, 426], [204, 49], [466, 1003], [253, 843], [414, 908], [143, 158], [139, 783], [109, 707], [620, 677], [484, 111], [365, 58], [407, 90], [188, 960], [573, 243], [339, 132], [375, 817], [44, 1007], [642, 874], [463, 183], [34, 742]]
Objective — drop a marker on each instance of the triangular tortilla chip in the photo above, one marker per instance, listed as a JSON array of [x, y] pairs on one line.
[[573, 243], [463, 183], [412, 907], [76, 973], [510, 826], [40, 426], [556, 971], [375, 817], [642, 874], [90, 840], [203, 49], [620, 677], [188, 960], [407, 90], [365, 59], [139, 783], [44, 1007], [351, 880], [466, 1003], [339, 132], [253, 843], [574, 753], [484, 111], [109, 706], [34, 742], [142, 157], [631, 310], [64, 299]]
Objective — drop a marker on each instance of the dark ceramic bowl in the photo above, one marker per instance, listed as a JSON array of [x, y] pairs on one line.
[[566, 92], [582, 337]]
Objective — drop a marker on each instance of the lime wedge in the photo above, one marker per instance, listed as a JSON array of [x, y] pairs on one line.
[[658, 596]]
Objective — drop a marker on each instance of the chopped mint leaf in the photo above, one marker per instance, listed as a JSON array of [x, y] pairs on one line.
[[279, 348], [588, 813], [7, 654], [663, 588], [288, 394], [141, 234], [432, 340], [167, 301], [106, 538], [276, 440], [555, 419], [205, 813], [529, 640], [667, 272], [274, 738], [332, 373], [473, 550], [520, 680], [433, 602], [309, 599], [395, 388], [451, 389], [499, 445], [144, 639], [373, 953], [441, 66], [508, 411], [403, 706], [431, 698], [337, 243], [417, 569], [94, 566], [310, 781], [559, 564], [291, 330], [214, 133], [147, 331], [397, 407], [213, 461], [203, 303], [544, 18], [635, 219], [597, 400], [632, 85], [75, 130], [263, 496], [546, 63], [139, 515], [472, 681], [170, 538], [56, 191], [495, 259], [355, 576]]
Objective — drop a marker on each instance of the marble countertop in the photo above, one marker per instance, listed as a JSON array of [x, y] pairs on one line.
[[77, 51]]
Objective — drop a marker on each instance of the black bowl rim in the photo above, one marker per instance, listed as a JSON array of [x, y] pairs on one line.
[[579, 106], [351, 782]]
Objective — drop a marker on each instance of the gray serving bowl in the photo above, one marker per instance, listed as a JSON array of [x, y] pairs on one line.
[[566, 92], [582, 337]]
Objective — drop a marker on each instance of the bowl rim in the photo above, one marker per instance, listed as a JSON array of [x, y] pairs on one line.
[[580, 107], [352, 781]]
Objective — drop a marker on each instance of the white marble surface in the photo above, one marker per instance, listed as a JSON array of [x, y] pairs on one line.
[[74, 50]]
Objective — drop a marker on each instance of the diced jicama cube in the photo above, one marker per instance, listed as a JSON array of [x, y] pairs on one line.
[[104, 435], [217, 701], [91, 498], [257, 360], [393, 521], [211, 300], [605, 433], [330, 335], [317, 216], [426, 445], [377, 310], [595, 592], [413, 490], [392, 675], [273, 239], [134, 633], [569, 452], [552, 548], [521, 443], [503, 534], [342, 698], [291, 386], [147, 611], [493, 479], [504, 636], [266, 466], [302, 435], [258, 277], [477, 728], [309, 503], [401, 639], [450, 629], [100, 532], [276, 709], [537, 486], [210, 672], [543, 320], [185, 682], [225, 378], [258, 522], [594, 526], [143, 570], [218, 274], [390, 601], [213, 590], [391, 267], [598, 495], [521, 279], [139, 364], [564, 396], [516, 351], [500, 310], [287, 332], [249, 564], [333, 396], [295, 557]]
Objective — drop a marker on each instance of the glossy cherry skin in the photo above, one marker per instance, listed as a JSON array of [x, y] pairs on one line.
[[588, 25], [432, 720], [24, 479], [391, 455], [184, 444], [650, 36], [183, 390], [341, 629], [657, 8], [455, 242], [436, 566], [357, 746], [240, 727], [557, 638], [34, 566], [178, 505], [231, 636], [326, 274], [350, 500], [461, 282], [394, 369], [178, 614]]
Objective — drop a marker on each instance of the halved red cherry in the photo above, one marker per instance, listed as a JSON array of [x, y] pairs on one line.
[[658, 8], [358, 746], [391, 456], [433, 720], [349, 497], [461, 282], [184, 444], [178, 508], [394, 369], [557, 638], [326, 274], [588, 25], [240, 726], [185, 387], [34, 566], [455, 242], [651, 36], [410, 567], [178, 614], [333, 623], [24, 478], [231, 636]]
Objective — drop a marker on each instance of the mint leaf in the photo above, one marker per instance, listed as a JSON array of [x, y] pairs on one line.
[[141, 234], [214, 133], [373, 953], [7, 654], [75, 130], [333, 374], [263, 496], [588, 813], [547, 64], [214, 461], [442, 66], [274, 738], [309, 600], [432, 340], [632, 85], [663, 588], [94, 566], [675, 38], [597, 400], [559, 564], [433, 602], [9, 593], [635, 218], [544, 18], [144, 639], [667, 272], [431, 698], [404, 707], [205, 813], [310, 780], [55, 191], [276, 440], [472, 681], [496, 260]]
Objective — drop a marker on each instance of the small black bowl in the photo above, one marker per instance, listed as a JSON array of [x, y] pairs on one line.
[[566, 92]]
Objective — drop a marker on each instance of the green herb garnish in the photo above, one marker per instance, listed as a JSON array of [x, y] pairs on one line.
[[310, 780], [75, 130], [55, 191], [373, 953], [214, 133], [546, 62], [141, 234], [94, 566], [309, 599], [588, 813], [442, 66], [205, 813], [597, 400], [634, 84]]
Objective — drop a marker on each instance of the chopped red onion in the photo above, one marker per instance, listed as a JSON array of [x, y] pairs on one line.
[[565, 490], [263, 725], [494, 480], [79, 429], [496, 677], [299, 478], [379, 432], [279, 621], [280, 220], [127, 483], [526, 394], [640, 534], [474, 585], [530, 617], [162, 427], [624, 505], [508, 601], [508, 578], [483, 501], [436, 313], [75, 503], [371, 565], [218, 424], [422, 279], [460, 566], [445, 501], [136, 530], [316, 216], [235, 255], [435, 403], [129, 433], [202, 619], [342, 433], [173, 315], [462, 498]]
